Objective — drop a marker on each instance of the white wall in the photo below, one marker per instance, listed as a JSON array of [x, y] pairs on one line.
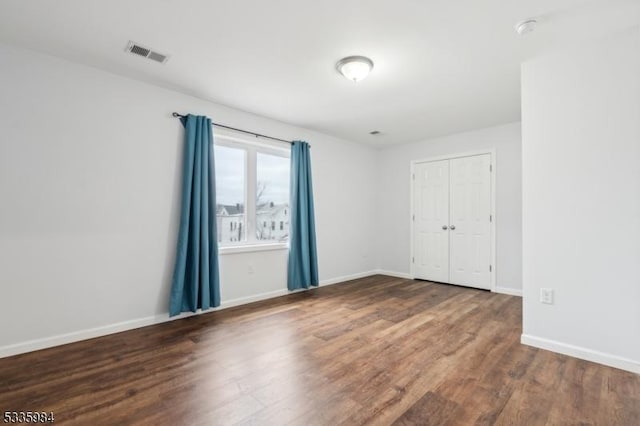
[[394, 197], [581, 188], [89, 181]]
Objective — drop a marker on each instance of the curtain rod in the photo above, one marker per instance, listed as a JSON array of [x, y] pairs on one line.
[[257, 135]]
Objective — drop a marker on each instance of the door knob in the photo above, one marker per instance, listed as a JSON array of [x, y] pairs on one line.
[[452, 227], [444, 227]]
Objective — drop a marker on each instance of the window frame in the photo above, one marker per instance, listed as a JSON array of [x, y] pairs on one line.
[[252, 148]]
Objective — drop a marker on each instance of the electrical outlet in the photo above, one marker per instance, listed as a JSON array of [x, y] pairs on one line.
[[546, 296]]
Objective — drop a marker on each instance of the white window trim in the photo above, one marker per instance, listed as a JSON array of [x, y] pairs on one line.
[[251, 148], [248, 248]]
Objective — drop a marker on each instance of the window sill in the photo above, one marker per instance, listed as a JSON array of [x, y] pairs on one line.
[[249, 248]]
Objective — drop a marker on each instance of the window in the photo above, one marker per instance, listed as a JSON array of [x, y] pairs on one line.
[[230, 193], [252, 191], [272, 196]]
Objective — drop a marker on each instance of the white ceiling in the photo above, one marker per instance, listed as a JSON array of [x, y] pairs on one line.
[[441, 66]]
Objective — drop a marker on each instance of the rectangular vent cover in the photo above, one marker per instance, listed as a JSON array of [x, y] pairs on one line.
[[158, 57], [145, 52]]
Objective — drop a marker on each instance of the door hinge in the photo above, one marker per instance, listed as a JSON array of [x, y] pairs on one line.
[[490, 167], [490, 218], [413, 260], [413, 176], [413, 217], [490, 268]]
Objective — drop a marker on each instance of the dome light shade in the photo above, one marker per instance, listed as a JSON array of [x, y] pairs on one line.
[[525, 27], [355, 68]]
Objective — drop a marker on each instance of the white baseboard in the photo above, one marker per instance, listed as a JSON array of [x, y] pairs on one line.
[[344, 278], [243, 301], [510, 291], [76, 336], [582, 353], [405, 275]]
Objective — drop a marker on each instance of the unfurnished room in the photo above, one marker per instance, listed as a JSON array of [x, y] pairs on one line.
[[320, 212]]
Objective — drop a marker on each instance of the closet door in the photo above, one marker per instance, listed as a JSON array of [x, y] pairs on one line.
[[469, 221], [431, 220]]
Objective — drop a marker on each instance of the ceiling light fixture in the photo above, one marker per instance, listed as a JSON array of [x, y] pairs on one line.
[[355, 68], [525, 27]]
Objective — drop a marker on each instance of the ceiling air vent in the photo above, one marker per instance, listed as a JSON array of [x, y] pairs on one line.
[[145, 52], [374, 132]]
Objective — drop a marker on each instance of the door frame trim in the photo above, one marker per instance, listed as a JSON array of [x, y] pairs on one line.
[[494, 222]]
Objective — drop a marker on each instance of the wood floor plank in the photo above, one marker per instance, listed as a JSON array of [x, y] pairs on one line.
[[379, 350]]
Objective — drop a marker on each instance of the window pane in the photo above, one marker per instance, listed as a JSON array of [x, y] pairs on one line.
[[272, 197], [230, 194]]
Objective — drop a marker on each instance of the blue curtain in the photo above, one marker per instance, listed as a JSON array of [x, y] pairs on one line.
[[196, 284], [303, 256]]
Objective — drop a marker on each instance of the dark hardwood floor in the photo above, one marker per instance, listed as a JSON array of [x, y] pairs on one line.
[[378, 350]]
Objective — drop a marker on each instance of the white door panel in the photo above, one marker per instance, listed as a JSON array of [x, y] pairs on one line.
[[470, 248], [431, 213]]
